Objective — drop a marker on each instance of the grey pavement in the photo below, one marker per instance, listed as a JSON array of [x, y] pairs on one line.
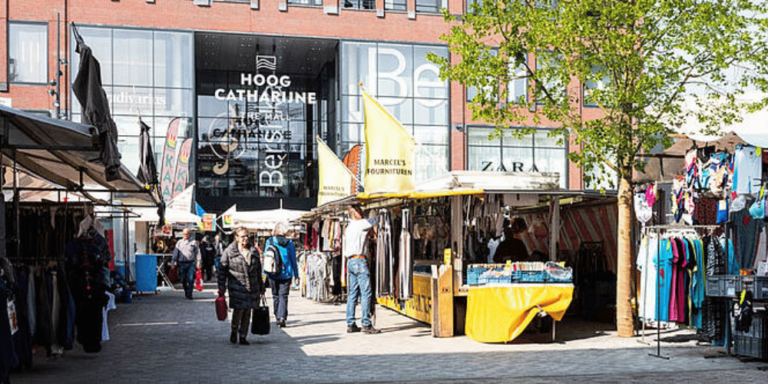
[[165, 338]]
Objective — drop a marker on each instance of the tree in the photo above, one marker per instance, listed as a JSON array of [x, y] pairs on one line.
[[638, 61]]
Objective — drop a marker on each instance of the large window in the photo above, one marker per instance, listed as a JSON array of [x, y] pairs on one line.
[[534, 153], [316, 3], [405, 83], [395, 5], [430, 6], [147, 74], [27, 53], [359, 4], [593, 84]]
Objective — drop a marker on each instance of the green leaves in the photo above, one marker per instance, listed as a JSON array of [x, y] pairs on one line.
[[641, 63]]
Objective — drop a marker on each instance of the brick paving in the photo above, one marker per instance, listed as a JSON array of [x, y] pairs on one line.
[[165, 338]]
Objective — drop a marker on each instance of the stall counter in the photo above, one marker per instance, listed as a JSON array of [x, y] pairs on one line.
[[500, 313]]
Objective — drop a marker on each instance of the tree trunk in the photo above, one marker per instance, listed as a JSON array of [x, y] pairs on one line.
[[624, 324]]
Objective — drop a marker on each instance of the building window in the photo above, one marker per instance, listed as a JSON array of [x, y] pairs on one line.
[[556, 87], [314, 3], [408, 86], [535, 153], [430, 6], [489, 85], [477, 4], [396, 5], [594, 84], [27, 53], [518, 85], [359, 4]]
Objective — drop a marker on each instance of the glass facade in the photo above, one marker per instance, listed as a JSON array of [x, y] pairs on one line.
[[408, 86], [147, 74], [27, 53], [510, 154]]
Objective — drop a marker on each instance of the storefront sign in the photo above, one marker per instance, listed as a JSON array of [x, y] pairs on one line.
[[209, 222], [168, 163]]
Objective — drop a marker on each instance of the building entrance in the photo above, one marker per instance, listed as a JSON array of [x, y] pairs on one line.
[[261, 100]]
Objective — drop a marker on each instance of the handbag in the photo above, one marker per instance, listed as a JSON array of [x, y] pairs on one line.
[[757, 211], [260, 320], [173, 274], [199, 280], [221, 308]]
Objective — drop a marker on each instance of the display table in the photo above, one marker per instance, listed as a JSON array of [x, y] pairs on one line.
[[500, 313]]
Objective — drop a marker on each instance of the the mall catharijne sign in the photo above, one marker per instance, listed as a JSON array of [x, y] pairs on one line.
[[271, 95]]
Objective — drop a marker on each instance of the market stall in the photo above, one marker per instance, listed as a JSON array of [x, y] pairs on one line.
[[428, 239], [702, 250]]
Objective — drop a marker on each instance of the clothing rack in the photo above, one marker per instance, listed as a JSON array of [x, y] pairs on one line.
[[659, 229]]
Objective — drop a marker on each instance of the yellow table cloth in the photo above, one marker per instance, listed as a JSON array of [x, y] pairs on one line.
[[500, 313]]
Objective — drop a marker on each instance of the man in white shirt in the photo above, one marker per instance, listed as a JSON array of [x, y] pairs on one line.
[[355, 249]]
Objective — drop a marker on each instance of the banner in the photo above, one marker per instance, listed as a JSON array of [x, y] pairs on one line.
[[352, 161], [335, 179], [168, 162], [209, 222], [182, 167], [183, 201], [389, 151]]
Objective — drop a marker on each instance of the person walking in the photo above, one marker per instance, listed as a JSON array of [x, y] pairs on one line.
[[281, 282], [209, 255], [240, 272], [218, 246], [186, 254], [355, 249]]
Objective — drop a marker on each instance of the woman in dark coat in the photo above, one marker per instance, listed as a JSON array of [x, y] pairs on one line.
[[240, 272]]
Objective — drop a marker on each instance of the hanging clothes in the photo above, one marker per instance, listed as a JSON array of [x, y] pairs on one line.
[[405, 261]]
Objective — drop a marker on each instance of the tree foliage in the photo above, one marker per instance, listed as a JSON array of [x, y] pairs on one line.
[[647, 65], [650, 57]]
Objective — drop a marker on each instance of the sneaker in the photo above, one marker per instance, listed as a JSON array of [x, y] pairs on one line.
[[233, 337], [371, 330], [353, 328], [243, 341], [281, 323]]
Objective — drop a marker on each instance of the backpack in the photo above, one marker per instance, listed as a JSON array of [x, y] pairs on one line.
[[272, 262]]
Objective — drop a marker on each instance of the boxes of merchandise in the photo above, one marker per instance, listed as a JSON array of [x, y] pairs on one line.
[[715, 286], [758, 285], [752, 343], [475, 273], [732, 285]]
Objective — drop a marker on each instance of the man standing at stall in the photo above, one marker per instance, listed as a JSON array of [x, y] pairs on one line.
[[187, 256], [355, 249]]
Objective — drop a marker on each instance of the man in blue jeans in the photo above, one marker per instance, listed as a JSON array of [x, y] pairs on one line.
[[355, 249], [187, 256]]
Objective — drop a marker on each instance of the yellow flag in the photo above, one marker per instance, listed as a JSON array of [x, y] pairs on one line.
[[335, 179], [389, 151]]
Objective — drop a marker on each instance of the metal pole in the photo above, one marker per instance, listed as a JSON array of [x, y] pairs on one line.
[[57, 103]]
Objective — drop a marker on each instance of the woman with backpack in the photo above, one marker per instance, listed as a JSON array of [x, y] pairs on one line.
[[285, 269]]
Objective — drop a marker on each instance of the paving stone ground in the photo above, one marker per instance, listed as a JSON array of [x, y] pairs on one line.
[[165, 338]]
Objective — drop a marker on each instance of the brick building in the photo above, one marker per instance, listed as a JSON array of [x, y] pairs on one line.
[[255, 81]]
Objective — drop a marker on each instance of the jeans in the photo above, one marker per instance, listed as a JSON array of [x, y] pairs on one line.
[[359, 286], [280, 290], [187, 275]]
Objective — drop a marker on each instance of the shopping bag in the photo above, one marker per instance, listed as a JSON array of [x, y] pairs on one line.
[[173, 274], [260, 320], [199, 280], [221, 308]]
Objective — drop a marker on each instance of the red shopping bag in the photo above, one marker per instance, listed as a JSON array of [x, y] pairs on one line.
[[221, 308], [199, 280]]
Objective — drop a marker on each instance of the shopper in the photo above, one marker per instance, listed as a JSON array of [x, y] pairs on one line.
[[209, 255], [186, 254], [240, 272], [355, 249], [281, 282], [512, 248], [218, 245]]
